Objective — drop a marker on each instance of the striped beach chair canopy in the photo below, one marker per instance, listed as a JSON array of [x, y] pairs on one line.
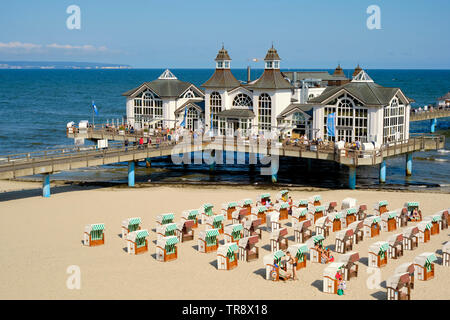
[[168, 243], [331, 270], [132, 221], [379, 246], [346, 233], [322, 221], [302, 225], [389, 215], [264, 196], [301, 202], [314, 198], [356, 225], [349, 257], [277, 255], [349, 203], [395, 239], [138, 234], [193, 214], [382, 203], [349, 211], [319, 208], [334, 216], [398, 280], [411, 204], [207, 207], [425, 258], [283, 192], [317, 239], [245, 202], [218, 218], [94, 227], [262, 209], [282, 205], [165, 218], [299, 212], [433, 218], [232, 204], [371, 220], [410, 231], [166, 229], [405, 267], [423, 225], [295, 249], [212, 233]]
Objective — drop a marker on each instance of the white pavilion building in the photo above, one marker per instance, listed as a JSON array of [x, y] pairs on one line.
[[289, 103]]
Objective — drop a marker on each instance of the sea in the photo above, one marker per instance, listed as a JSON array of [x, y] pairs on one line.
[[36, 105]]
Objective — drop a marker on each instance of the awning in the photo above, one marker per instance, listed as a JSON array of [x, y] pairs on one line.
[[262, 208], [132, 221], [193, 214], [247, 202], [265, 195], [412, 204], [238, 227], [218, 218], [167, 217], [171, 240], [318, 238], [284, 205], [302, 202], [382, 203], [278, 254], [320, 208], [232, 204], [212, 233], [350, 211], [233, 248], [207, 206], [171, 227], [141, 234], [97, 226]]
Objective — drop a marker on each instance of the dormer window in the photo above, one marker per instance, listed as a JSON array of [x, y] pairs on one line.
[[227, 64], [269, 64], [219, 64], [276, 64]]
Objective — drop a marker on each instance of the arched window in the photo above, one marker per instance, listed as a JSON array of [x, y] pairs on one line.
[[215, 102], [242, 100], [264, 112], [147, 107], [192, 117], [351, 119], [189, 94], [298, 120], [393, 121]]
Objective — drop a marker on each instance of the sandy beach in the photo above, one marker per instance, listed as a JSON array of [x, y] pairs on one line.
[[41, 238]]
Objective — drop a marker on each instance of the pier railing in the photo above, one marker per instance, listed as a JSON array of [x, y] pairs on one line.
[[430, 114]]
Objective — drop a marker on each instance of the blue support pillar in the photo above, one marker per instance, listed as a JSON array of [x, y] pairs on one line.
[[131, 173], [383, 171], [212, 167], [409, 159], [274, 169], [46, 186], [352, 177], [433, 125]]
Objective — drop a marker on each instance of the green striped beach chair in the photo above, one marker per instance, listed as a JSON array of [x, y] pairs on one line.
[[94, 234]]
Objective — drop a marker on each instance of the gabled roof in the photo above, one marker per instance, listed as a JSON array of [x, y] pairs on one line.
[[369, 93], [270, 79], [222, 78], [293, 107], [199, 105], [166, 86]]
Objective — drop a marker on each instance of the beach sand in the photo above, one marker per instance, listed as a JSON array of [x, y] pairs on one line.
[[41, 238]]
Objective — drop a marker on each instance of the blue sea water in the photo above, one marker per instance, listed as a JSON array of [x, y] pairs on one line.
[[35, 106]]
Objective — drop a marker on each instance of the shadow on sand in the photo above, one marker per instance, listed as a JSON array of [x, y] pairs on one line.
[[31, 193], [261, 272]]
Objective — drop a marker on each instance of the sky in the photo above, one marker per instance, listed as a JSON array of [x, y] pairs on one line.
[[309, 34]]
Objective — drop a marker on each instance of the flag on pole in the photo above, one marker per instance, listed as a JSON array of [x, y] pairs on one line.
[[331, 124], [212, 117], [95, 108], [183, 123]]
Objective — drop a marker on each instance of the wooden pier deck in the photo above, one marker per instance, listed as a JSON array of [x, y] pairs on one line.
[[52, 161], [429, 115]]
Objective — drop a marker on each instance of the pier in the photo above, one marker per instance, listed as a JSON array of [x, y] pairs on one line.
[[53, 161], [430, 115]]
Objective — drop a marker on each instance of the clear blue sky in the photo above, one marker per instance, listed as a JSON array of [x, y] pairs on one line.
[[188, 34]]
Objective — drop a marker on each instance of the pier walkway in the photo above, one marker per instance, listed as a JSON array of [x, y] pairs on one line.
[[53, 161]]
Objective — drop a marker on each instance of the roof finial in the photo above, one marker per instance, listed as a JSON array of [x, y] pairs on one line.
[[272, 44], [223, 46]]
